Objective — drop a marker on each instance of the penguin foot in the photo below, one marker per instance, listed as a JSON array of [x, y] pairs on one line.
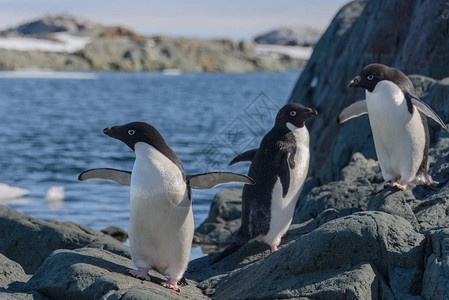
[[274, 248], [402, 187], [387, 184], [171, 286], [141, 274]]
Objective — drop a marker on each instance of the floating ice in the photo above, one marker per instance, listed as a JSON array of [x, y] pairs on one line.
[[11, 192]]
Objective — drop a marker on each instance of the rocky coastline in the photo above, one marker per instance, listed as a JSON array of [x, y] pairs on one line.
[[121, 49], [344, 243]]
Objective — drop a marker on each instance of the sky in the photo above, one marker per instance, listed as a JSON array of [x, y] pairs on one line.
[[234, 19]]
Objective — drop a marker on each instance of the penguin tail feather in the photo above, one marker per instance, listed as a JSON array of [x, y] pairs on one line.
[[425, 179], [226, 252]]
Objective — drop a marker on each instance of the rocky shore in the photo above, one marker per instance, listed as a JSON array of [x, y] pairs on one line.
[[120, 49], [344, 243]]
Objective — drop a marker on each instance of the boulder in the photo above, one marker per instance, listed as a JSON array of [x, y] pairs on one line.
[[28, 241], [11, 273], [117, 233], [6, 294], [395, 202], [359, 179], [12, 279], [363, 32], [327, 256], [90, 273], [223, 221], [435, 283], [434, 211], [350, 282]]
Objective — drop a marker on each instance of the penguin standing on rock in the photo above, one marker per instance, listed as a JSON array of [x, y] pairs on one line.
[[398, 121], [161, 220], [279, 167]]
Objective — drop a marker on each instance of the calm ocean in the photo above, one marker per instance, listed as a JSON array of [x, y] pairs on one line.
[[51, 130]]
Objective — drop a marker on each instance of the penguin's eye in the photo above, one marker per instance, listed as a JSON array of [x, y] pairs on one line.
[[370, 77], [131, 132], [293, 113]]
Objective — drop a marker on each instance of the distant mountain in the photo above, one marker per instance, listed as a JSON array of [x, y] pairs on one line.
[[290, 36]]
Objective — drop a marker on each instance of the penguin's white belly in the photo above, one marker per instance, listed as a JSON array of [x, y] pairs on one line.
[[161, 220], [282, 208], [399, 136]]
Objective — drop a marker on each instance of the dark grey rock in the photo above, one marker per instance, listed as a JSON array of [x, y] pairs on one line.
[[117, 233], [405, 283], [28, 241], [383, 240], [395, 202], [11, 273], [359, 179], [364, 32], [290, 36], [90, 273], [434, 211], [435, 283], [224, 219], [10, 295], [349, 282]]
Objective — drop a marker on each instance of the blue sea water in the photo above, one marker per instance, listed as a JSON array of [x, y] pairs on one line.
[[51, 130]]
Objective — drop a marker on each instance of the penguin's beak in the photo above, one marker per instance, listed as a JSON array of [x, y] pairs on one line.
[[354, 82], [313, 113], [107, 131]]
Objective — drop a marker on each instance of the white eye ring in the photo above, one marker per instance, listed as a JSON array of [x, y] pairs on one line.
[[131, 132], [293, 113], [370, 77]]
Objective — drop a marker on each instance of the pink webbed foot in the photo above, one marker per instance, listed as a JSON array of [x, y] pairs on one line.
[[387, 184], [141, 274], [274, 248], [402, 187], [172, 286]]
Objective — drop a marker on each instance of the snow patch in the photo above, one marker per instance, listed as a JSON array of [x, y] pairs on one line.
[[297, 52], [66, 42], [48, 74]]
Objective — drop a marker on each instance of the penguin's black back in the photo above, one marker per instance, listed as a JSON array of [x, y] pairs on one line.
[[256, 199]]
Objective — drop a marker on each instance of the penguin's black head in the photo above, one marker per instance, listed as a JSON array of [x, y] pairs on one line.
[[371, 75], [295, 114], [135, 132]]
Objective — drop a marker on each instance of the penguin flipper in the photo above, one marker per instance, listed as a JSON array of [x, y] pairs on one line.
[[354, 110], [425, 109], [108, 174], [245, 156], [284, 175], [212, 179]]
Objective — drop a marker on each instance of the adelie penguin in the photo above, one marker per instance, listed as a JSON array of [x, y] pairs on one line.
[[279, 167], [398, 122], [161, 220]]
